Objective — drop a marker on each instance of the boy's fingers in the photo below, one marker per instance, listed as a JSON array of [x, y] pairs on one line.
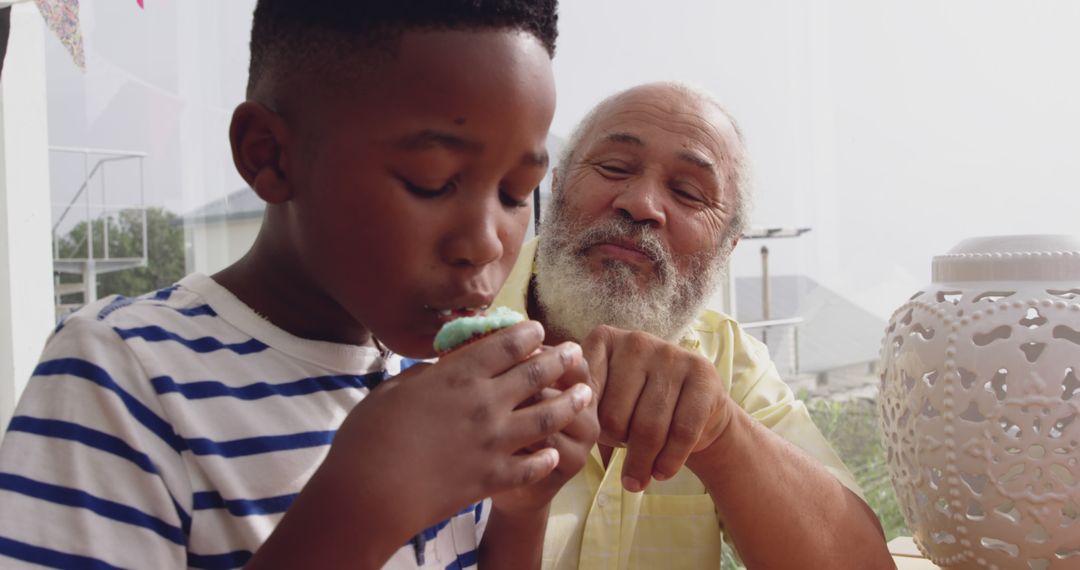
[[500, 351], [528, 469], [572, 452], [584, 428], [538, 421], [578, 370], [538, 372]]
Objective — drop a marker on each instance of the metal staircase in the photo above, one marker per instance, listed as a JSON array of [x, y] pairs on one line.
[[90, 207]]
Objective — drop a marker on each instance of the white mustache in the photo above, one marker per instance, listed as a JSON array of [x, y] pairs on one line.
[[643, 238]]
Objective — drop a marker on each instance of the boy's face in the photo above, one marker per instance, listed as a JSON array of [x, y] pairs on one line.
[[411, 191]]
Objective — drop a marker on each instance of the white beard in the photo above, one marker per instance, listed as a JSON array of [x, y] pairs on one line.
[[575, 300]]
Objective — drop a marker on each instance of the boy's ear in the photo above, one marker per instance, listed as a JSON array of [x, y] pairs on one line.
[[258, 137]]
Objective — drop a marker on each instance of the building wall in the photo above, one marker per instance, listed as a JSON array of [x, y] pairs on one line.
[[26, 305], [213, 246]]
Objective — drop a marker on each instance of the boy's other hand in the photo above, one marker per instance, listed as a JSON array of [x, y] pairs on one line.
[[440, 437], [573, 444]]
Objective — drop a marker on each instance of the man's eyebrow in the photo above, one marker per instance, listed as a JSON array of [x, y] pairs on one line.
[[429, 138], [624, 138], [683, 155], [696, 160]]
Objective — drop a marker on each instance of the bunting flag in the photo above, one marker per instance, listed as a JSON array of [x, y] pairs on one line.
[[62, 17]]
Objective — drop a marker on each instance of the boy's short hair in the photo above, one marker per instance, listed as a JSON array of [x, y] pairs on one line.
[[317, 35]]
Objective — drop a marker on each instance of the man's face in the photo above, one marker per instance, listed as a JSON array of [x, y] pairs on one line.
[[412, 190], [635, 232]]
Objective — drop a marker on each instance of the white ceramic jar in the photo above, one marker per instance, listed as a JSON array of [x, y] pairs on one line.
[[980, 398]]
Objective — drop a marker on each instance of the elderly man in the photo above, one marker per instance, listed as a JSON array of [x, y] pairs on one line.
[[649, 198]]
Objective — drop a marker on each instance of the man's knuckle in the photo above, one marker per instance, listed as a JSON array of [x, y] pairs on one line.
[[646, 436], [683, 433], [637, 340]]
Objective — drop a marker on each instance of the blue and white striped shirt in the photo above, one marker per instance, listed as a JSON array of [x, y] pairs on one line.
[[173, 430]]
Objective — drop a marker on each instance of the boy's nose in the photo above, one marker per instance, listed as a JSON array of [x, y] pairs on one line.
[[474, 241]]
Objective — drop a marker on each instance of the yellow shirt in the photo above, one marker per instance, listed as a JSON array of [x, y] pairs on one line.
[[596, 524]]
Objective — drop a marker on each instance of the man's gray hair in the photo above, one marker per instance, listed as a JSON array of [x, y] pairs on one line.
[[735, 165]]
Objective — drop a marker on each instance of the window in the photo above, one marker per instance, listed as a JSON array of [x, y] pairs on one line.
[[880, 134]]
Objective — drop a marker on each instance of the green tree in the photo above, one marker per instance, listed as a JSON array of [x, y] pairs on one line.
[[164, 255]]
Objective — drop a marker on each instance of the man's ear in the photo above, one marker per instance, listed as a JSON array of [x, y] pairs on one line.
[[556, 176], [258, 136]]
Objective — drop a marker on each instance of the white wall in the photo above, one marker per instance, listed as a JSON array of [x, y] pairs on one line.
[[215, 245], [26, 304]]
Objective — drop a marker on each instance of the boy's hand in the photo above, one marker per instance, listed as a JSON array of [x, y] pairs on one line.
[[573, 444], [439, 437]]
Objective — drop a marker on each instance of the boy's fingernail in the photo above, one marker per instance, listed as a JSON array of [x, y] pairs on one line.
[[660, 476], [631, 484], [552, 457], [581, 395], [570, 352]]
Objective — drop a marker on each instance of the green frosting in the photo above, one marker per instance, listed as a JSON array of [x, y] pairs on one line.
[[462, 329]]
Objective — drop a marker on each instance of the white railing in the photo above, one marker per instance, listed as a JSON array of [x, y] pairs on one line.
[[87, 262]]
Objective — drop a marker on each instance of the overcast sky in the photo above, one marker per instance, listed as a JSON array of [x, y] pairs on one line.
[[892, 129]]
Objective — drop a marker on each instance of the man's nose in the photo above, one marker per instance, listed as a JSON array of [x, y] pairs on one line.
[[475, 239], [642, 201]]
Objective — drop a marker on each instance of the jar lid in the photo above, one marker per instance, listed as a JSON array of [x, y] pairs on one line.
[[1010, 258]]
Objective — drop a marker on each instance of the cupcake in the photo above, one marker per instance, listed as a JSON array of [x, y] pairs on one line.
[[464, 330]]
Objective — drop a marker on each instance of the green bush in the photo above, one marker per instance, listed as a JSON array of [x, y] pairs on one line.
[[854, 430], [855, 433]]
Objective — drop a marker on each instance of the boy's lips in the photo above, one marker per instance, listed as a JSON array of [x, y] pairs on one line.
[[450, 312]]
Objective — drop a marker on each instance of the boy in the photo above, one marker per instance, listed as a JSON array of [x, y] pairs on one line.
[[396, 145]]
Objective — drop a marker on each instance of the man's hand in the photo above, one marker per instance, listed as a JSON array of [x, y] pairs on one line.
[[659, 400]]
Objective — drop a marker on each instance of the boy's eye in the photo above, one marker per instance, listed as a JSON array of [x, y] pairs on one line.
[[510, 201], [426, 192]]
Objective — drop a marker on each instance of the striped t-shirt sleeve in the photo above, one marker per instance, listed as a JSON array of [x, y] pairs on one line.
[[91, 474]]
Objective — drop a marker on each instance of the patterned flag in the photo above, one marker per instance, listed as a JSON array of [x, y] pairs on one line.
[[62, 17]]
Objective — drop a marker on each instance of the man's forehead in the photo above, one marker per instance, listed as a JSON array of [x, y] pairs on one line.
[[629, 118]]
